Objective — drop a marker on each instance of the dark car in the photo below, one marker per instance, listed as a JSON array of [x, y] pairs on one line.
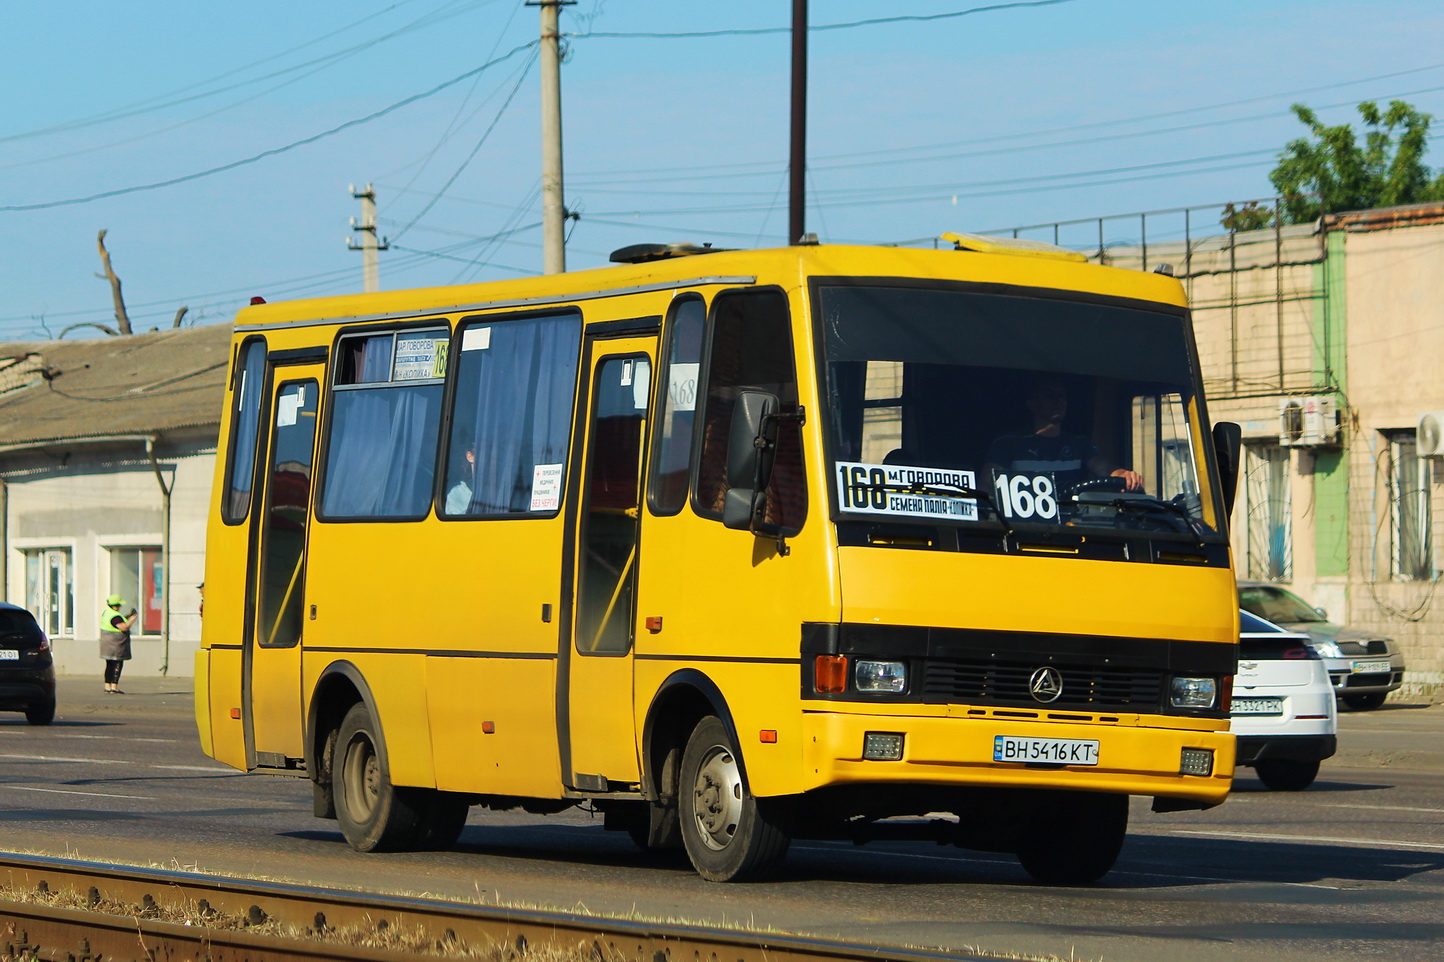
[[1363, 667], [27, 673]]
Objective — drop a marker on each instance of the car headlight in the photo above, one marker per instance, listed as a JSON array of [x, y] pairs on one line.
[[1326, 649], [1191, 692], [885, 676]]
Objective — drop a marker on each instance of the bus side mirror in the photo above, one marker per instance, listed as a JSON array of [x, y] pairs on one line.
[[1227, 446], [751, 446]]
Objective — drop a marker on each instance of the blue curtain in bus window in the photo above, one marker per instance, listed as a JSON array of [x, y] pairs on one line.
[[515, 387], [382, 453]]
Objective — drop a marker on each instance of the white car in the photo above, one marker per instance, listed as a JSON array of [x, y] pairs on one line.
[[1283, 710]]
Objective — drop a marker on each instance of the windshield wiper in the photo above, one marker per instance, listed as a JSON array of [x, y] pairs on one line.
[[940, 490], [1147, 502]]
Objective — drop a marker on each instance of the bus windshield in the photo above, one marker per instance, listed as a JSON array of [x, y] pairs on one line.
[[1018, 410]]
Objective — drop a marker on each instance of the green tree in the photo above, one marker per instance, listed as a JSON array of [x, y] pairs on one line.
[[1334, 172], [1251, 216]]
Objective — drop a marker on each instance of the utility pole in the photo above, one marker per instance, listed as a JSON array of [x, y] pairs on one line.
[[369, 246], [797, 167], [554, 211]]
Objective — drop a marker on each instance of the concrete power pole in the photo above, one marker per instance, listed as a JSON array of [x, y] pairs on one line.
[[554, 211], [797, 164], [369, 246]]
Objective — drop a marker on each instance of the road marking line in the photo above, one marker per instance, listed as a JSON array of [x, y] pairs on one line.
[[1231, 881], [61, 791], [1313, 838], [212, 769], [55, 758], [1393, 808]]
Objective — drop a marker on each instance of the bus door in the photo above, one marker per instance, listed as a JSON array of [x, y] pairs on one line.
[[600, 729], [277, 570]]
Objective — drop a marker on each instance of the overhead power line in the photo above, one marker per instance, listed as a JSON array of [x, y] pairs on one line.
[[171, 182], [521, 75], [812, 28], [183, 95]]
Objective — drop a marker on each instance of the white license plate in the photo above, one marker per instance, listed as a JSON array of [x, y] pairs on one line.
[[1045, 751], [1361, 667], [1258, 706], [9, 654]]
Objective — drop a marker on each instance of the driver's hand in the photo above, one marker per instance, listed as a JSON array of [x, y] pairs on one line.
[[1132, 480]]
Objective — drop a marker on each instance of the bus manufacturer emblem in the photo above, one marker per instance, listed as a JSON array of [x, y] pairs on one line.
[[1045, 685]]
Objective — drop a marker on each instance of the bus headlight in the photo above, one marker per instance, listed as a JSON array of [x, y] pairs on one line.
[[886, 676], [1187, 692]]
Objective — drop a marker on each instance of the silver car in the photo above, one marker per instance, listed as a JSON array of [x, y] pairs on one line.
[[1363, 666]]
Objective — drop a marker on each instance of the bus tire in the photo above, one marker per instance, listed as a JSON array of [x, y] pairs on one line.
[[1075, 838], [729, 835], [440, 818], [374, 815]]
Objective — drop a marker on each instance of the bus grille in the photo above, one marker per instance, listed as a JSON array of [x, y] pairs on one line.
[[1084, 686]]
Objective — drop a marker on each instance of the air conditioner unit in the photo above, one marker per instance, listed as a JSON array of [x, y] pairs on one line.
[[1308, 421], [1430, 436]]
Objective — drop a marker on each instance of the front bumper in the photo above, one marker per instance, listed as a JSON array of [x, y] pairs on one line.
[[958, 751], [1304, 748], [1346, 681]]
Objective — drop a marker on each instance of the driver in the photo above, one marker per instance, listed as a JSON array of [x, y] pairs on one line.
[[1070, 458]]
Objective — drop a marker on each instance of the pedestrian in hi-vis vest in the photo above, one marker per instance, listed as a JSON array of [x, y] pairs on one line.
[[115, 641]]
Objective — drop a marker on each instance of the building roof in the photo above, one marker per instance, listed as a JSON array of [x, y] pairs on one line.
[[56, 391]]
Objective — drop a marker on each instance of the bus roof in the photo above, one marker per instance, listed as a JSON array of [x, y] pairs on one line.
[[789, 267]]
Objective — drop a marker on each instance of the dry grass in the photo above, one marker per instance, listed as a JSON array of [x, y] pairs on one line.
[[388, 936], [404, 941]]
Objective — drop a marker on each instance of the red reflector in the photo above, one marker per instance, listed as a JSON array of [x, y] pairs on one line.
[[829, 675], [258, 299], [1225, 693], [488, 728], [767, 737], [235, 713]]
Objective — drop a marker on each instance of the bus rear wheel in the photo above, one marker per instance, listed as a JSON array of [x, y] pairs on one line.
[[440, 818], [730, 836], [1074, 838], [374, 815]]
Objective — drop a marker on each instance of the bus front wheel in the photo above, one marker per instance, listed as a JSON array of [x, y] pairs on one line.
[[1075, 837], [374, 815], [730, 836]]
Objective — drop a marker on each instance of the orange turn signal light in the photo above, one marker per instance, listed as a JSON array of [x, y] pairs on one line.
[[829, 674]]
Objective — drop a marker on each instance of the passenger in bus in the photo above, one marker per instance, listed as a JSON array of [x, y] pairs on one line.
[[458, 498], [1071, 458]]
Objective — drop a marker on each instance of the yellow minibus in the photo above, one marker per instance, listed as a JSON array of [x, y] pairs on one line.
[[734, 548]]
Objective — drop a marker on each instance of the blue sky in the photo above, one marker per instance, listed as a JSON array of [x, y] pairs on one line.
[[1002, 117]]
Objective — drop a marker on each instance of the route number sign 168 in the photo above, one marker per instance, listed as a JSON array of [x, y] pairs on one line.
[[1026, 497]]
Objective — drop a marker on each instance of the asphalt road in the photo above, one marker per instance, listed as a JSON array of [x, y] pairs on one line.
[[1352, 868]]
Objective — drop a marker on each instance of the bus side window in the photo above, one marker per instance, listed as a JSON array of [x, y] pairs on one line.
[[245, 423], [672, 448], [516, 382], [751, 350], [385, 420]]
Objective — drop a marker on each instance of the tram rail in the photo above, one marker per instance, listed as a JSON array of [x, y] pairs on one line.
[[78, 911]]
